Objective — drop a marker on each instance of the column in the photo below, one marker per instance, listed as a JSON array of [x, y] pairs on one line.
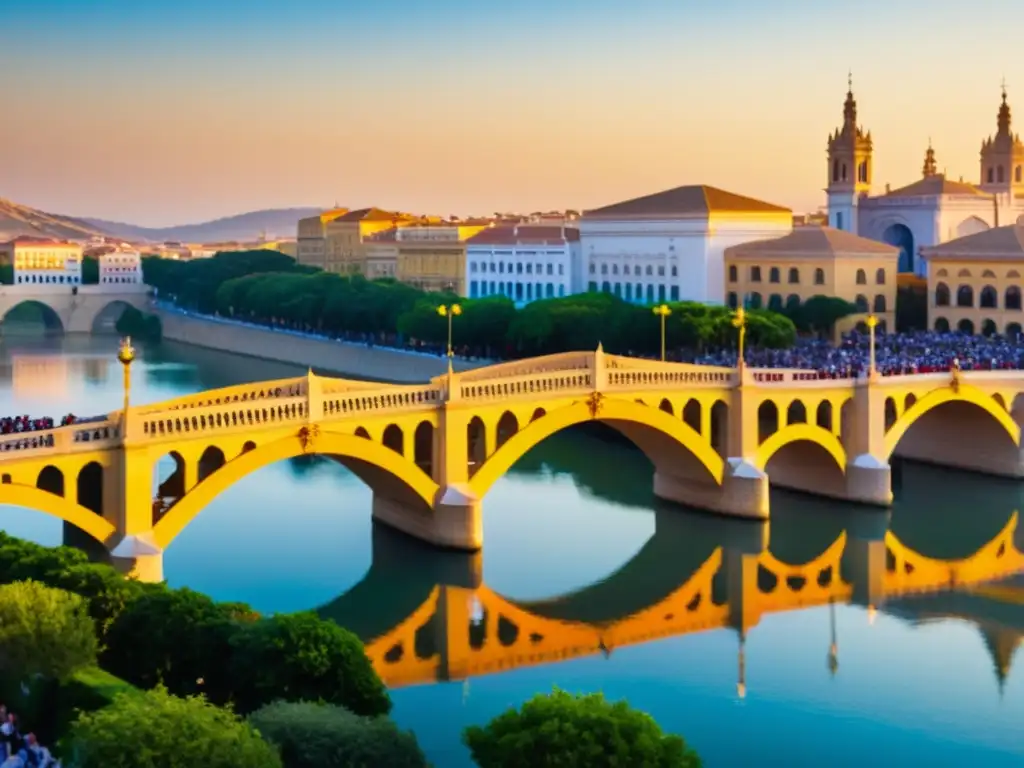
[[868, 474]]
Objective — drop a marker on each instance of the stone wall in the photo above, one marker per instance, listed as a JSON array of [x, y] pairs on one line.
[[353, 360]]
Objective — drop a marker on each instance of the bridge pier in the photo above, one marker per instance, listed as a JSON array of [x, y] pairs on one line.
[[455, 522], [139, 557], [743, 492], [869, 481]]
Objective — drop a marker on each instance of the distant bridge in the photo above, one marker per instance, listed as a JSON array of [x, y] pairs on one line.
[[75, 309]]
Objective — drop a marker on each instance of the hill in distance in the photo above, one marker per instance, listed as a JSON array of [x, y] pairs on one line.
[[275, 222], [17, 220]]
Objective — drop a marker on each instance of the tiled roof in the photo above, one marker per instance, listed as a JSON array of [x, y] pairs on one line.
[[697, 200], [372, 214], [524, 234], [811, 242], [39, 241], [996, 243], [934, 186]]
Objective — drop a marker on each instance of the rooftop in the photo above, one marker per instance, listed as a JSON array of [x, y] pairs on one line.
[[812, 242], [696, 200], [40, 241], [525, 234], [936, 186], [997, 243]]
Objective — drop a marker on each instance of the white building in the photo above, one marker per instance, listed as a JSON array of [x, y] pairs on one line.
[[524, 262], [669, 246], [121, 266], [38, 260], [931, 210]]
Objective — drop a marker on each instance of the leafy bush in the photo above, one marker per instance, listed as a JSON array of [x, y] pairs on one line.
[[44, 632], [301, 657], [158, 730], [325, 736], [561, 729]]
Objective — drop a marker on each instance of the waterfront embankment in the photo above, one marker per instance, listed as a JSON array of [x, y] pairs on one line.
[[323, 355]]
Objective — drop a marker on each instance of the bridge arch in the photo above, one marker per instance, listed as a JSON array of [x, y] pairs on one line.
[[51, 320], [664, 439], [105, 318], [795, 433], [961, 405], [378, 466], [44, 501]]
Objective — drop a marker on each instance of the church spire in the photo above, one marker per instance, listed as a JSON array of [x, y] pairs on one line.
[[929, 168], [1004, 114], [850, 106]]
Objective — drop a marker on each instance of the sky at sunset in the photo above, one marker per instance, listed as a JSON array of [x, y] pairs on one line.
[[162, 113]]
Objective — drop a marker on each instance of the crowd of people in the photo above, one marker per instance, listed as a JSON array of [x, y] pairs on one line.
[[10, 425], [895, 355], [19, 750]]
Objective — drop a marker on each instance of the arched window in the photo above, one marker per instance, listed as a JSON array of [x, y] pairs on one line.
[[988, 327], [733, 273], [862, 303], [942, 325], [819, 276], [880, 276], [862, 277], [835, 170], [773, 275], [792, 302], [965, 296], [794, 276], [964, 273], [988, 299], [733, 300], [775, 302], [966, 326], [988, 273], [862, 172], [989, 176], [755, 274], [1013, 330], [999, 175], [879, 303], [843, 172], [942, 273], [755, 300], [1012, 298]]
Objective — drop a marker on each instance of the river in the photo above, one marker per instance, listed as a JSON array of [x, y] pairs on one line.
[[576, 550]]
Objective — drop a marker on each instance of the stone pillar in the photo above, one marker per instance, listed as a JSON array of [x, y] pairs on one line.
[[869, 481], [868, 474], [458, 522], [139, 557]]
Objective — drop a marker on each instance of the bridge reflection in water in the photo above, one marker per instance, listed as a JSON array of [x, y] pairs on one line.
[[427, 615]]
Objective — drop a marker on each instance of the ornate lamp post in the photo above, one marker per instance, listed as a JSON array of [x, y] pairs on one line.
[[872, 321], [739, 321], [449, 311], [662, 311], [125, 356]]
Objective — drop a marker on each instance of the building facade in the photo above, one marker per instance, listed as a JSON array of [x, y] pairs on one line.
[[932, 210], [43, 261], [523, 262], [311, 238], [814, 261], [432, 256], [669, 246], [121, 266], [975, 282], [347, 235]]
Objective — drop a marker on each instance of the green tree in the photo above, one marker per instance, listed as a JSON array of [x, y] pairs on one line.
[[560, 729], [911, 309], [44, 631], [324, 736], [820, 313], [90, 270], [301, 657], [158, 730], [176, 637]]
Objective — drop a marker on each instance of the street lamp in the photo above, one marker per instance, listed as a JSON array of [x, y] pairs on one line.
[[449, 311], [125, 355], [662, 311], [739, 321], [872, 321]]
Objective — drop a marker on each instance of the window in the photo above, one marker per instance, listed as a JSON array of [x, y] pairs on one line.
[[862, 277], [675, 271], [604, 269], [880, 276], [794, 276], [965, 296], [773, 275], [862, 303], [755, 274], [988, 297], [1012, 298], [819, 276], [593, 268], [942, 295], [561, 269], [732, 300], [674, 293], [839, 219], [650, 270], [733, 273], [661, 271], [879, 303]]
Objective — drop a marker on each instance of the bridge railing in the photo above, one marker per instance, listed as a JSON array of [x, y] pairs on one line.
[[527, 385], [383, 399], [72, 438], [260, 391], [676, 375], [227, 417], [565, 361]]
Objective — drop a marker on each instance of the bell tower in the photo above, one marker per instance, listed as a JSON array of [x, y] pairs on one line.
[[849, 167], [1002, 157]]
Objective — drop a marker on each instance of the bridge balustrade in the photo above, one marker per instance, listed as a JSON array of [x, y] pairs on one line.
[[638, 379], [528, 385], [565, 362], [387, 398], [228, 417], [262, 391]]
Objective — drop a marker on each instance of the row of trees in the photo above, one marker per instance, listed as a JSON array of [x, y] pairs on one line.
[[269, 288], [217, 684]]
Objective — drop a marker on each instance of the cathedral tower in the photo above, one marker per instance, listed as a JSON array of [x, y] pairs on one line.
[[1002, 157], [849, 167]]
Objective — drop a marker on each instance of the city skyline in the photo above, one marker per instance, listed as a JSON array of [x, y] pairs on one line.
[[176, 113]]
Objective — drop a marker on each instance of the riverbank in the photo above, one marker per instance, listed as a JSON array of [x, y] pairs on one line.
[[323, 355]]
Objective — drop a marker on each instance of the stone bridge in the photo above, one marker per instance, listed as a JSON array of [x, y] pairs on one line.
[[76, 309], [716, 437]]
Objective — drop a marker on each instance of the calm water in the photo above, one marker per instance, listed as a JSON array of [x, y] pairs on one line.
[[575, 546]]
